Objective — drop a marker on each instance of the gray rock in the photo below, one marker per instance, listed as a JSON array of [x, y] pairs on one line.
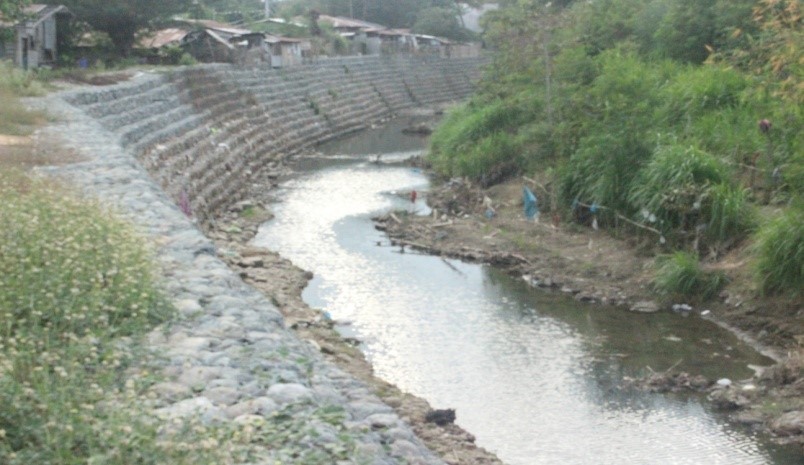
[[789, 424], [222, 395], [645, 306], [259, 406], [289, 393], [382, 420], [196, 406], [171, 392], [197, 377]]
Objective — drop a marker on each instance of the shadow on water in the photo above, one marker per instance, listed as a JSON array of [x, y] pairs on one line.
[[536, 377]]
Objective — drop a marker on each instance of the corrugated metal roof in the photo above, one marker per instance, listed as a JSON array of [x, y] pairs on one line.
[[218, 26], [338, 21], [159, 39]]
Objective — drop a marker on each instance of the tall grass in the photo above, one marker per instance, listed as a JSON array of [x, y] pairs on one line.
[[675, 188], [680, 275], [15, 119], [780, 253], [602, 170], [729, 215], [479, 140]]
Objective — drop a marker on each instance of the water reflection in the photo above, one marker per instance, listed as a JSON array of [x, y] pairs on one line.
[[535, 377]]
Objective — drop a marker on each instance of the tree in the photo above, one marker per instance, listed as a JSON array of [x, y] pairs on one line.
[[441, 22], [12, 8], [123, 19]]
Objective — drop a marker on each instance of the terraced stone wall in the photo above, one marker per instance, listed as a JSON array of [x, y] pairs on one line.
[[206, 133]]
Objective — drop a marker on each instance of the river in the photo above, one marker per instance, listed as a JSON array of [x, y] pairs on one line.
[[536, 377]]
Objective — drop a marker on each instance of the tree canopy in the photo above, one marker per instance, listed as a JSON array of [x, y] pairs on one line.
[[12, 8], [397, 13], [123, 19], [442, 22]]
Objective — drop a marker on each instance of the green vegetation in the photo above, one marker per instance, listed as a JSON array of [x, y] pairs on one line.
[[679, 115], [429, 15], [15, 119], [73, 281], [680, 276], [780, 245], [122, 20]]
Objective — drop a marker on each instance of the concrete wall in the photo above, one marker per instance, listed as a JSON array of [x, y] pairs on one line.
[[206, 133]]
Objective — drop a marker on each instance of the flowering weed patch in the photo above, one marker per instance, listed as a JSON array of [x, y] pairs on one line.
[[73, 281]]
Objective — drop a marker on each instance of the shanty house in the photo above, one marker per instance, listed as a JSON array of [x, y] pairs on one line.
[[212, 41], [285, 51], [34, 42]]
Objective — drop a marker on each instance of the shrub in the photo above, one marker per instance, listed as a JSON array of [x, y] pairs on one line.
[[681, 275], [68, 266], [780, 250]]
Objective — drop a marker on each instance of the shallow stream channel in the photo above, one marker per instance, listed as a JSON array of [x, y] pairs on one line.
[[536, 377]]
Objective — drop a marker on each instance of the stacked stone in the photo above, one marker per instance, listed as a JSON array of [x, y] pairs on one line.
[[230, 358]]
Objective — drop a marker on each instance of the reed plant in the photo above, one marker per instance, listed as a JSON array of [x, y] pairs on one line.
[[780, 253], [680, 275]]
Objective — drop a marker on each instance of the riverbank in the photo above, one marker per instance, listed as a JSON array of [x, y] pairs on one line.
[[596, 268], [283, 282]]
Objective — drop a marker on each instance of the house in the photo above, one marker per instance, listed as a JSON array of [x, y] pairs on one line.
[[34, 42], [285, 51], [215, 42], [363, 34]]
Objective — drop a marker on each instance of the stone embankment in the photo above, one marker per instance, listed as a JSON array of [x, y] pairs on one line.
[[196, 140], [206, 134]]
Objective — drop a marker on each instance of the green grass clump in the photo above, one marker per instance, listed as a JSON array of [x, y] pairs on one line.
[[602, 170], [686, 188], [729, 214], [780, 250], [681, 275], [479, 139]]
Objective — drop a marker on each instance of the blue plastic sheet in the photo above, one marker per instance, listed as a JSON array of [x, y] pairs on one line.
[[531, 203]]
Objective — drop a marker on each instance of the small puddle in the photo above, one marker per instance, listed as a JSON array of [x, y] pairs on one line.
[[536, 377]]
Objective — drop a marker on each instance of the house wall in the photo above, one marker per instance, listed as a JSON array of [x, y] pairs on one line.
[[208, 132]]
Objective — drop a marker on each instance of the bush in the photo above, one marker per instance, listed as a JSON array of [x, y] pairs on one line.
[[680, 275], [780, 251]]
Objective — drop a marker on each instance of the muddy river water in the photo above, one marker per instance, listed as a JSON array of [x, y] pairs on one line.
[[536, 377]]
